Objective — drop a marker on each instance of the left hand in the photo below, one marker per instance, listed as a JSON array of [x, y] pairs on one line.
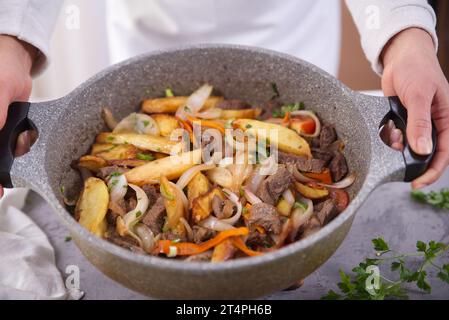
[[412, 72]]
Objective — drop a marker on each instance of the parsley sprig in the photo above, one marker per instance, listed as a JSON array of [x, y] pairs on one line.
[[354, 286], [282, 111], [439, 199]]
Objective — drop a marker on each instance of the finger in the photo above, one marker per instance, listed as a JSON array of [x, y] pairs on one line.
[[1, 191], [419, 124], [23, 144], [4, 103], [438, 165], [396, 136]]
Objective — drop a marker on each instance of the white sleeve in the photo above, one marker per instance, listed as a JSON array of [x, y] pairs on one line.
[[31, 21], [380, 20]]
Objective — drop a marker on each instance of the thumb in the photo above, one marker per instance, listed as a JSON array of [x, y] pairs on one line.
[[419, 123]]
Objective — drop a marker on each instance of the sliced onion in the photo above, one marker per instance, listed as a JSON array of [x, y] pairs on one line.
[[188, 229], [298, 175], [251, 197], [180, 194], [146, 237], [214, 224], [342, 184], [279, 239], [118, 186], [195, 102], [132, 217], [189, 174], [299, 217], [312, 115], [235, 199], [108, 118], [213, 113], [288, 196], [255, 180], [137, 123], [268, 166]]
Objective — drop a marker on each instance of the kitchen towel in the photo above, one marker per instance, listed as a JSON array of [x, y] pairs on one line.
[[27, 259]]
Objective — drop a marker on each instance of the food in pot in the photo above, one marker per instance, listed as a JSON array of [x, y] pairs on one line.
[[204, 178]]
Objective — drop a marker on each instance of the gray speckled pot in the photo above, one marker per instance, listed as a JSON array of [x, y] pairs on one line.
[[68, 126]]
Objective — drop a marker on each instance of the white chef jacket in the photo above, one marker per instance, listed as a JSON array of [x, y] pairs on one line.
[[308, 29]]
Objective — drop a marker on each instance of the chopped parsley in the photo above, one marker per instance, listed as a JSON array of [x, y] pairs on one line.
[[110, 138], [439, 199], [115, 174], [169, 92], [248, 126], [145, 123], [177, 240], [138, 213], [186, 108], [282, 111], [68, 238], [145, 156], [62, 189]]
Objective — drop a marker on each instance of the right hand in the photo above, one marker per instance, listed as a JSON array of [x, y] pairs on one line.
[[16, 61]]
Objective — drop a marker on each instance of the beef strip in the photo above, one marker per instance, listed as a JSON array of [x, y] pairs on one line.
[[327, 135], [326, 212], [151, 193], [131, 203], [200, 257], [155, 216], [233, 104], [170, 235], [264, 215], [104, 173], [257, 239], [272, 187], [324, 155], [338, 167], [126, 242], [201, 234], [222, 209], [302, 163]]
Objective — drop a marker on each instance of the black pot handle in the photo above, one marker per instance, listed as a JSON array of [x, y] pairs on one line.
[[16, 122], [415, 165]]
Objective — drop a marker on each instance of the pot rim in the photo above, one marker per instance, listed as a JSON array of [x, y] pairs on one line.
[[232, 265]]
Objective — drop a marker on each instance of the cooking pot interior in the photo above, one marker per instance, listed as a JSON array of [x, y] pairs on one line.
[[241, 73]]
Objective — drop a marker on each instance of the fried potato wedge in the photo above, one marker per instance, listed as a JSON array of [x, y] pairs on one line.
[[167, 123], [285, 139], [172, 167], [92, 206], [114, 151], [223, 251], [141, 141], [198, 186], [241, 114], [93, 163], [173, 204], [202, 205], [311, 192], [171, 104]]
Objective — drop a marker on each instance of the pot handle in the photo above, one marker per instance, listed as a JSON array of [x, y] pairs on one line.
[[16, 122], [415, 165]]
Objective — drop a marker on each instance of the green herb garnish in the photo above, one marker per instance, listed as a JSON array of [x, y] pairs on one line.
[[138, 213], [439, 199], [355, 286], [169, 92], [115, 174], [62, 189], [248, 126], [145, 156], [186, 108], [145, 123], [110, 138], [176, 240], [68, 238], [282, 111], [300, 205]]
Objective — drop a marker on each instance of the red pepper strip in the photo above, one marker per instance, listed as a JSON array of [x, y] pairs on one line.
[[188, 248], [324, 177], [240, 244], [286, 118], [207, 123], [188, 128]]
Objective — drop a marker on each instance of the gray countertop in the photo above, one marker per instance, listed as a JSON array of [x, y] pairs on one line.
[[388, 212]]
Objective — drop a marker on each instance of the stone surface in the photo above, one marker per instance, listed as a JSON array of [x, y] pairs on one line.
[[388, 212]]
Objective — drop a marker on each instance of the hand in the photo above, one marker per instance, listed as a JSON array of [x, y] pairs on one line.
[[412, 72], [16, 60]]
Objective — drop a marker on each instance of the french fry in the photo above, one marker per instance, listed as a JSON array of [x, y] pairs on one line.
[[240, 114], [311, 192], [171, 104], [202, 205], [167, 123], [141, 141], [93, 163], [172, 167], [285, 139], [114, 152], [92, 206], [198, 186]]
